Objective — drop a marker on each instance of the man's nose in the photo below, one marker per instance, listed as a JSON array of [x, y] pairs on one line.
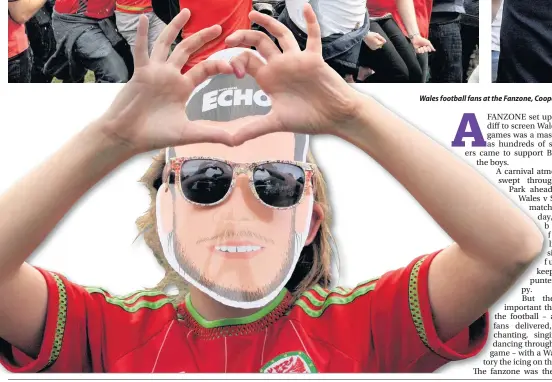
[[242, 204]]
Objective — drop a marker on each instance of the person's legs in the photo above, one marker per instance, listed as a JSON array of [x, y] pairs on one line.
[[386, 62], [525, 43], [470, 40], [97, 54], [43, 44], [404, 48], [156, 26], [495, 57], [342, 53], [342, 70], [423, 60], [339, 50], [127, 25], [445, 64], [19, 67]]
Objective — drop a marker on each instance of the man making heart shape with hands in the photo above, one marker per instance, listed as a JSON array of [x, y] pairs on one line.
[[239, 218]]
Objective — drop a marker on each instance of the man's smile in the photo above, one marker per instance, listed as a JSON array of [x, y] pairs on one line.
[[237, 249]]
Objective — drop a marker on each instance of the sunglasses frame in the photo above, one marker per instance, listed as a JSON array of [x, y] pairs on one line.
[[238, 169]]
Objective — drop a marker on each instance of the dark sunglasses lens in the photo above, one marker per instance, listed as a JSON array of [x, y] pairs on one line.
[[205, 181], [279, 184]]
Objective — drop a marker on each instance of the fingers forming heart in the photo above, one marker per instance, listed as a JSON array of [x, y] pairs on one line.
[[248, 38], [256, 127], [277, 29], [198, 132], [247, 62], [205, 69], [192, 44]]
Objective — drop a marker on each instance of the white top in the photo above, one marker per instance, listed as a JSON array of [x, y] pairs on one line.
[[495, 33], [334, 16]]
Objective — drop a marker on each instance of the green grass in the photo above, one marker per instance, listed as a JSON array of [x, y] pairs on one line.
[[89, 78]]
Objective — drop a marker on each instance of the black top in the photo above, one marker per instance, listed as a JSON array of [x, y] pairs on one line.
[[526, 42], [471, 17], [472, 7], [446, 11]]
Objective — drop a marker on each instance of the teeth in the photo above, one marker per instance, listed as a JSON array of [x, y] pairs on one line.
[[240, 249]]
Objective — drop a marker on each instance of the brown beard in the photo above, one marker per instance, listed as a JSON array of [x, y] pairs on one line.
[[235, 294]]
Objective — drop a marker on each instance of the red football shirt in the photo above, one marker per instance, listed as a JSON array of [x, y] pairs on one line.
[[17, 38], [96, 9], [382, 325], [378, 8], [231, 15]]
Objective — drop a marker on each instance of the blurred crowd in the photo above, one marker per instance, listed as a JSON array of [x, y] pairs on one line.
[[369, 41]]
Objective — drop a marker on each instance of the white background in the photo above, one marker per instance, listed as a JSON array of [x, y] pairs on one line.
[[377, 224]]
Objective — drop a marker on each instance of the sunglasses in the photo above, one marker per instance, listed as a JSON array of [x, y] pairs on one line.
[[207, 181]]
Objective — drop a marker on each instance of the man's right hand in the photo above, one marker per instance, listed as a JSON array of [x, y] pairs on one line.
[[149, 113]]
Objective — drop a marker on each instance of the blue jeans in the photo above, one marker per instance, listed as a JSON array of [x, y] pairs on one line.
[[98, 55], [340, 51], [495, 57]]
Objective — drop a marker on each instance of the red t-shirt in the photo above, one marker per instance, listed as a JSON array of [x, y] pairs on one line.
[[378, 8], [96, 9], [231, 15], [133, 6], [423, 15], [382, 325], [17, 38]]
